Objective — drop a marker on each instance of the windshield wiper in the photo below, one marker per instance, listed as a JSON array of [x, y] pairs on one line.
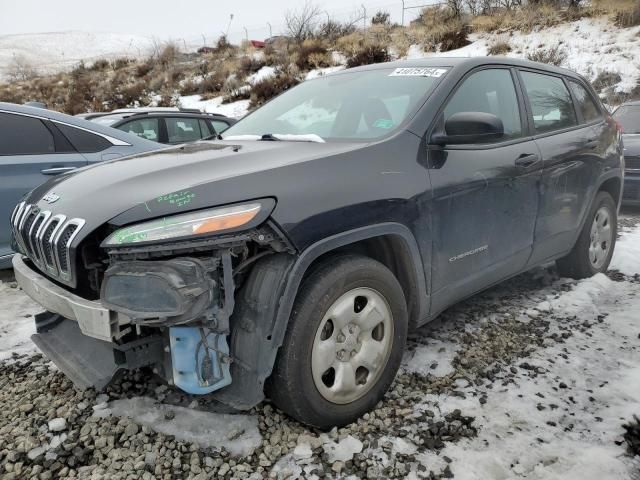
[[270, 137]]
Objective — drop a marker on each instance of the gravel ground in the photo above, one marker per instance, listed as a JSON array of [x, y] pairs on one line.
[[442, 417]]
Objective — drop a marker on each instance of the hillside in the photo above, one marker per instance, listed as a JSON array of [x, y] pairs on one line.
[[599, 41]]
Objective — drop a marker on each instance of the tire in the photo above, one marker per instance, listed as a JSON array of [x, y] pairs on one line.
[[341, 287], [580, 263]]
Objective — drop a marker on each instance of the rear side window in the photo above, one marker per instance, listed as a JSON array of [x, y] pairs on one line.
[[83, 141], [147, 128], [586, 105], [181, 130], [218, 125], [24, 136], [489, 91], [551, 103]]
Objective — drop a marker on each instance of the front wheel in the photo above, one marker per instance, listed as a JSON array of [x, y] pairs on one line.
[[593, 251], [344, 343]]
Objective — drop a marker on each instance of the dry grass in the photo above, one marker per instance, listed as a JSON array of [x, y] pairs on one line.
[[500, 47], [555, 55]]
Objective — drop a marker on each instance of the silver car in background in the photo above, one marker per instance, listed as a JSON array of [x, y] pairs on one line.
[[36, 144]]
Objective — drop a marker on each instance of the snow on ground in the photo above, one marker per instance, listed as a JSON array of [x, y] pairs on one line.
[[563, 424], [214, 105], [626, 258], [16, 320], [55, 51], [593, 45], [434, 357], [237, 433]]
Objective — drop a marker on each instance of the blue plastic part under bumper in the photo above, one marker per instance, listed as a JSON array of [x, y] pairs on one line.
[[200, 359]]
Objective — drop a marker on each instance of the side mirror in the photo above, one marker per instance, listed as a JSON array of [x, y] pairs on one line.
[[469, 127]]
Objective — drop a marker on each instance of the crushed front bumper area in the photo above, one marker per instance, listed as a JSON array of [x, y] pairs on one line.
[[92, 318]]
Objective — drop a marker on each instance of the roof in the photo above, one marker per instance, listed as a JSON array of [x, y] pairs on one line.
[[467, 63]]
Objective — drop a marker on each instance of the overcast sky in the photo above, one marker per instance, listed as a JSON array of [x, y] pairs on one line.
[[174, 19]]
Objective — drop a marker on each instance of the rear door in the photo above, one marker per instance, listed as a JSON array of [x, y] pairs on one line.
[[569, 146], [485, 196], [32, 150]]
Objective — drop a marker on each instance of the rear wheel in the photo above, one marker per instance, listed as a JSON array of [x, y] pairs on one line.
[[343, 345], [593, 251]]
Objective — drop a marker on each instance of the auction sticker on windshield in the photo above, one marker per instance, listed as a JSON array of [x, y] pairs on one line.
[[418, 72]]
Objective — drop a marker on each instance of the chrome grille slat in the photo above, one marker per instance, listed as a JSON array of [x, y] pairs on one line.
[[46, 239]]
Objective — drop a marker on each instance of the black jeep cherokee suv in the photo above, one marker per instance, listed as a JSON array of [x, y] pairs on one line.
[[290, 257]]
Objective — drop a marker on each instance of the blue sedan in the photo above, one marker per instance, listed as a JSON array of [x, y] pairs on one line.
[[36, 144]]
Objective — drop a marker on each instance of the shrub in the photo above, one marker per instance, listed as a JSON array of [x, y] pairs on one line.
[[249, 64], [628, 16], [99, 65], [606, 79], [121, 62], [143, 69], [555, 55], [311, 54], [268, 88], [500, 47], [369, 54]]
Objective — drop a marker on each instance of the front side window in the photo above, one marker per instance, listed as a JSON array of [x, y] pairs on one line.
[[181, 130], [586, 104], [83, 141], [146, 128], [23, 135], [551, 104], [628, 116], [359, 105], [489, 91]]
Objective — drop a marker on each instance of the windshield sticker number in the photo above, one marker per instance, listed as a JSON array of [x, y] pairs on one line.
[[418, 72]]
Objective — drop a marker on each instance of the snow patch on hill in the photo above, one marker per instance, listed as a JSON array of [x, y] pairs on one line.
[[593, 46]]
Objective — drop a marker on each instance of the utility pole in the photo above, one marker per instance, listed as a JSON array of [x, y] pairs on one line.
[[270, 30], [204, 40], [402, 13], [246, 33], [226, 34], [364, 19]]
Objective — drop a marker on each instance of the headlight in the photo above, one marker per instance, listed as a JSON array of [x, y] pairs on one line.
[[185, 225]]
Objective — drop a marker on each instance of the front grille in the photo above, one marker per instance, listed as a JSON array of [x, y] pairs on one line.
[[46, 239], [632, 163]]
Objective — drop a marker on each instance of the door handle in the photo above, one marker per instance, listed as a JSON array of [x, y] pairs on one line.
[[527, 160], [592, 143], [56, 170]]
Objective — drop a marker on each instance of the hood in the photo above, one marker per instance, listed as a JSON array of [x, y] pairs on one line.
[[631, 144], [174, 180]]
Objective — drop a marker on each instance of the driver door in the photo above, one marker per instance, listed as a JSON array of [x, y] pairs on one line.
[[485, 196]]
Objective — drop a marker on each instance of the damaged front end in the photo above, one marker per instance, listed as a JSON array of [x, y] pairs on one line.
[[168, 305]]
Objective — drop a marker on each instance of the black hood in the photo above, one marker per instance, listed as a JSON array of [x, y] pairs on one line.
[[173, 180], [631, 144]]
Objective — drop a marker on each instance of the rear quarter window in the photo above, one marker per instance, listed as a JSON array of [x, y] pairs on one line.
[[83, 141], [586, 104]]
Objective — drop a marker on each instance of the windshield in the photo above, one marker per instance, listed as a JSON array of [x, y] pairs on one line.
[[629, 117], [354, 105]]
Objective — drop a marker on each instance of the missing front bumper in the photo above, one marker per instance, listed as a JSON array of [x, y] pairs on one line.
[[89, 362]]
